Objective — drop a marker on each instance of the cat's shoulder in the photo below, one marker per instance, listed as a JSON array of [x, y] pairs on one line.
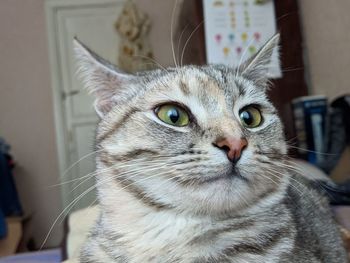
[[317, 232]]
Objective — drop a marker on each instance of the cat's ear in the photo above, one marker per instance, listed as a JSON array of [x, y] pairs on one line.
[[256, 67], [101, 78]]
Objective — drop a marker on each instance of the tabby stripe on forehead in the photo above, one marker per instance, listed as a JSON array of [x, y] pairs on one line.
[[241, 89], [141, 195], [116, 125], [185, 89]]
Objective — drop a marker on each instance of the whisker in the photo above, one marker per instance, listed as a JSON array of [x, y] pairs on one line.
[[306, 150], [188, 40], [68, 208], [60, 215], [111, 168], [292, 139], [77, 179], [179, 41], [69, 181], [153, 61], [75, 163], [131, 174], [266, 177], [292, 69], [296, 168], [285, 15], [292, 185], [272, 171], [282, 165], [172, 34]]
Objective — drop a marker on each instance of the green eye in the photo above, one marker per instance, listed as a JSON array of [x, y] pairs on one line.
[[173, 115], [250, 117]]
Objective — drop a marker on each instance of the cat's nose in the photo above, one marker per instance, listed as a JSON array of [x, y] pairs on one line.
[[232, 146]]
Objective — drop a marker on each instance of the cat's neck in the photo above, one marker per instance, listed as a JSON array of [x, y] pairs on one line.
[[146, 231], [129, 211]]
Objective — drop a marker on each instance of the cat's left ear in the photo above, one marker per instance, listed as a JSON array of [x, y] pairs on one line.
[[102, 79], [256, 67]]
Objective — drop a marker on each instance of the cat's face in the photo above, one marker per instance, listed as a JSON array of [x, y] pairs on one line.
[[198, 139]]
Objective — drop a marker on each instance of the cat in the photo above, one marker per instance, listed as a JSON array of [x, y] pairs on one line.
[[191, 167]]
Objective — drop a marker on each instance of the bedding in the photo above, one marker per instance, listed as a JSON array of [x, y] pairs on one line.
[[46, 256]]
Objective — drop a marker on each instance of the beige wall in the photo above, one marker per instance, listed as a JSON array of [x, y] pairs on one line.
[[26, 113], [326, 34], [160, 31]]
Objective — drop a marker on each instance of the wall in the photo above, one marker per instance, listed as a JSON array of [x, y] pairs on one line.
[[325, 25], [26, 113], [161, 22]]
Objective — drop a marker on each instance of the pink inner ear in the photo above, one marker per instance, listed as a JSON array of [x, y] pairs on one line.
[[107, 86], [104, 105]]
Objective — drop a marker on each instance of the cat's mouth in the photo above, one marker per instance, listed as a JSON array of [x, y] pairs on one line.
[[229, 174]]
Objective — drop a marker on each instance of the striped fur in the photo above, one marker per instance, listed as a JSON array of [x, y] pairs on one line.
[[168, 195]]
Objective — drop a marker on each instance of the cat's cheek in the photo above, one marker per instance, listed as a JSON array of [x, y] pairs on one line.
[[247, 165], [246, 157], [218, 157]]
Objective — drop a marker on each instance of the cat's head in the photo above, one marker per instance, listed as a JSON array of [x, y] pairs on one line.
[[194, 138]]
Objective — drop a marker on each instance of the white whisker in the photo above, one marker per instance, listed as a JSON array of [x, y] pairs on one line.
[[68, 208], [75, 163], [172, 33], [187, 41], [153, 62], [179, 41]]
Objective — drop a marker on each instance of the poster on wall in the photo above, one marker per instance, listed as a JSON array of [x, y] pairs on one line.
[[236, 29]]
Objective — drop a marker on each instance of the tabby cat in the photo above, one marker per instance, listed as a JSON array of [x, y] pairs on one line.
[[191, 167]]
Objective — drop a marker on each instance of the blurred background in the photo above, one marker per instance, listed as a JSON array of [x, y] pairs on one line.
[[47, 120]]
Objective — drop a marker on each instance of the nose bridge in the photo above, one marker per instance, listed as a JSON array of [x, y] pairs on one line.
[[228, 127]]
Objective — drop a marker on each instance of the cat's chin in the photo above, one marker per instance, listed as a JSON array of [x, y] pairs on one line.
[[228, 174]]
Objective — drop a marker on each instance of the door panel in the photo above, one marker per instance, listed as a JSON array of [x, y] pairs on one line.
[[84, 134], [92, 21]]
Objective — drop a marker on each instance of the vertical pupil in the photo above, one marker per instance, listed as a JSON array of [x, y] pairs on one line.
[[247, 117], [173, 115]]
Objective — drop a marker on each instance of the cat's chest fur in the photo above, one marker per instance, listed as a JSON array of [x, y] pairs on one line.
[[165, 236], [179, 239]]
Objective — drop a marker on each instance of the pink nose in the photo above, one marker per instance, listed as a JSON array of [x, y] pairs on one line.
[[232, 146]]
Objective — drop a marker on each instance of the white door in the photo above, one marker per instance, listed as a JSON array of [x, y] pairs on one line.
[[92, 21]]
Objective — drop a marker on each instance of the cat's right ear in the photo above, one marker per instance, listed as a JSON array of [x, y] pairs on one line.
[[101, 78], [257, 67]]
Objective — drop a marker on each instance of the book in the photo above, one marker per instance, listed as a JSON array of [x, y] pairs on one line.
[[310, 117]]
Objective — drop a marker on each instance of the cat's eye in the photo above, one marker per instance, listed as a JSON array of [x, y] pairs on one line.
[[250, 117], [173, 115]]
